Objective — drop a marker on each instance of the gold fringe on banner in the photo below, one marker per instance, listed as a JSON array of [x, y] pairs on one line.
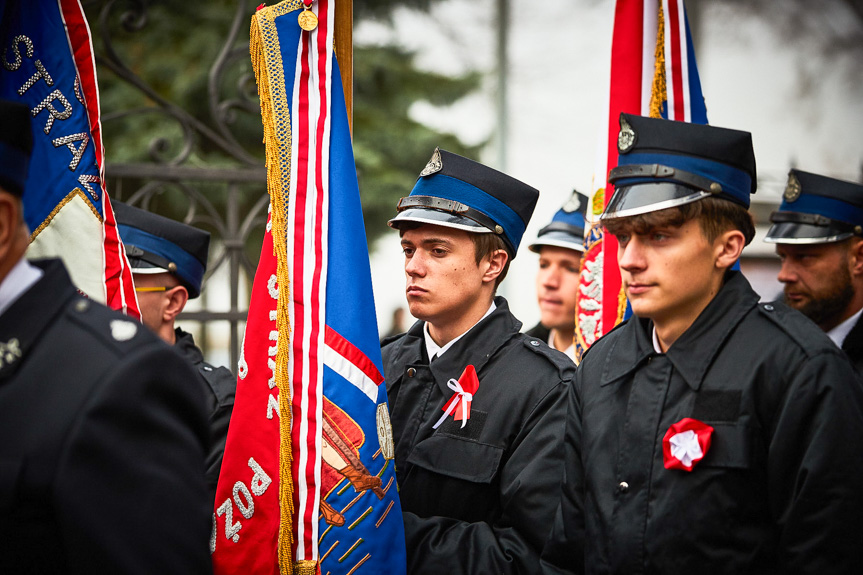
[[266, 60], [659, 90]]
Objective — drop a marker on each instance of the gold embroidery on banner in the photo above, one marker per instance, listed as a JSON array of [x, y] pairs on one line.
[[333, 546], [357, 566], [59, 206], [351, 550], [306, 567], [659, 89], [324, 534], [352, 502], [360, 518], [384, 516]]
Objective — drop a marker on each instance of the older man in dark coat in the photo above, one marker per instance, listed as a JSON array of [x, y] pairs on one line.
[[102, 451]]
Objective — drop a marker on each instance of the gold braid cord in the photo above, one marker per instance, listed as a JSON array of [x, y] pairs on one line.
[[658, 92], [269, 73]]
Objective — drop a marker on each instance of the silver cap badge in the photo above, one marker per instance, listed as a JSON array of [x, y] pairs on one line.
[[626, 137], [434, 165], [792, 189]]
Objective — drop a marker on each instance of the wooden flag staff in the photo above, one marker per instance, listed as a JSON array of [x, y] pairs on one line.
[[344, 39]]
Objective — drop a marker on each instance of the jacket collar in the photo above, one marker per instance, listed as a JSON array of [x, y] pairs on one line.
[[853, 344], [693, 353], [23, 323], [185, 344], [477, 346]]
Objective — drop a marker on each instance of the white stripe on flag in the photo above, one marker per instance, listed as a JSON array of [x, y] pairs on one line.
[[648, 53], [684, 61], [354, 375]]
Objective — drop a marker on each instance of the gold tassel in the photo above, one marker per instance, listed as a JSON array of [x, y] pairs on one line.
[[276, 183], [658, 92], [306, 568], [621, 305]]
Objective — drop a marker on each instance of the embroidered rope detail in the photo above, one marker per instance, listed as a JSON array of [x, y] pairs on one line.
[[76, 192], [658, 92]]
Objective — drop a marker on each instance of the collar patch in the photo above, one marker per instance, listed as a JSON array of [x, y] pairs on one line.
[[10, 352]]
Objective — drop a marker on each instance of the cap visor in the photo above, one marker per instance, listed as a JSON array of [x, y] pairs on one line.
[[798, 233], [559, 240], [142, 267], [640, 199], [438, 218]]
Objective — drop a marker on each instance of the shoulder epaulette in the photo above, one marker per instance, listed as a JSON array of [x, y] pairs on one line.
[[560, 360], [808, 336], [117, 331]]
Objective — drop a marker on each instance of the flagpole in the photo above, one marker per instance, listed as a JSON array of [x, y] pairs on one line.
[[344, 40]]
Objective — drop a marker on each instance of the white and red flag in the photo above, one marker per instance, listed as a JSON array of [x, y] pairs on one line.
[[308, 481], [48, 64]]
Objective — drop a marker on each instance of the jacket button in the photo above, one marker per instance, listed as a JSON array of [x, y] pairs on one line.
[[534, 343], [623, 487], [768, 307], [411, 372]]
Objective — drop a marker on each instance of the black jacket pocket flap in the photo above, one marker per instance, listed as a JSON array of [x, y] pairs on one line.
[[458, 458], [731, 445]]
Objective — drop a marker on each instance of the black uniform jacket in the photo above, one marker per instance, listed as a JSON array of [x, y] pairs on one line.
[[853, 345], [219, 386], [102, 442], [478, 499], [778, 491], [540, 332]]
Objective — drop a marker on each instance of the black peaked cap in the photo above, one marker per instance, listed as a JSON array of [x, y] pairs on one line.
[[730, 147]]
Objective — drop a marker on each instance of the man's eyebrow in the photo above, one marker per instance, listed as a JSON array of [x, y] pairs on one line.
[[428, 242]]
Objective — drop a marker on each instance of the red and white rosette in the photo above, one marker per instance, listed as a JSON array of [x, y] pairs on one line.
[[464, 388], [685, 444]]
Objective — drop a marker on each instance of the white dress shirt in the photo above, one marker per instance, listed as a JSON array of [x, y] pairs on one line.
[[434, 349], [20, 278]]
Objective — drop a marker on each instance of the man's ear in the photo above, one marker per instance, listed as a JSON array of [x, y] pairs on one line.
[[177, 297], [728, 247], [496, 262], [8, 223], [13, 239], [855, 257]]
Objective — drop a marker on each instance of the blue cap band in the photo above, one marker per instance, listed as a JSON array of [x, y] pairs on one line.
[[449, 188], [824, 206], [735, 183], [13, 165], [188, 267]]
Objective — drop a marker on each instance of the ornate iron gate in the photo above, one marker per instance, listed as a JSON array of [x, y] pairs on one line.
[[227, 196]]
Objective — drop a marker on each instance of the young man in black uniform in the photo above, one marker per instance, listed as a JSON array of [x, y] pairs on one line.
[[560, 245], [709, 433], [818, 232], [103, 443], [476, 407], [168, 261]]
